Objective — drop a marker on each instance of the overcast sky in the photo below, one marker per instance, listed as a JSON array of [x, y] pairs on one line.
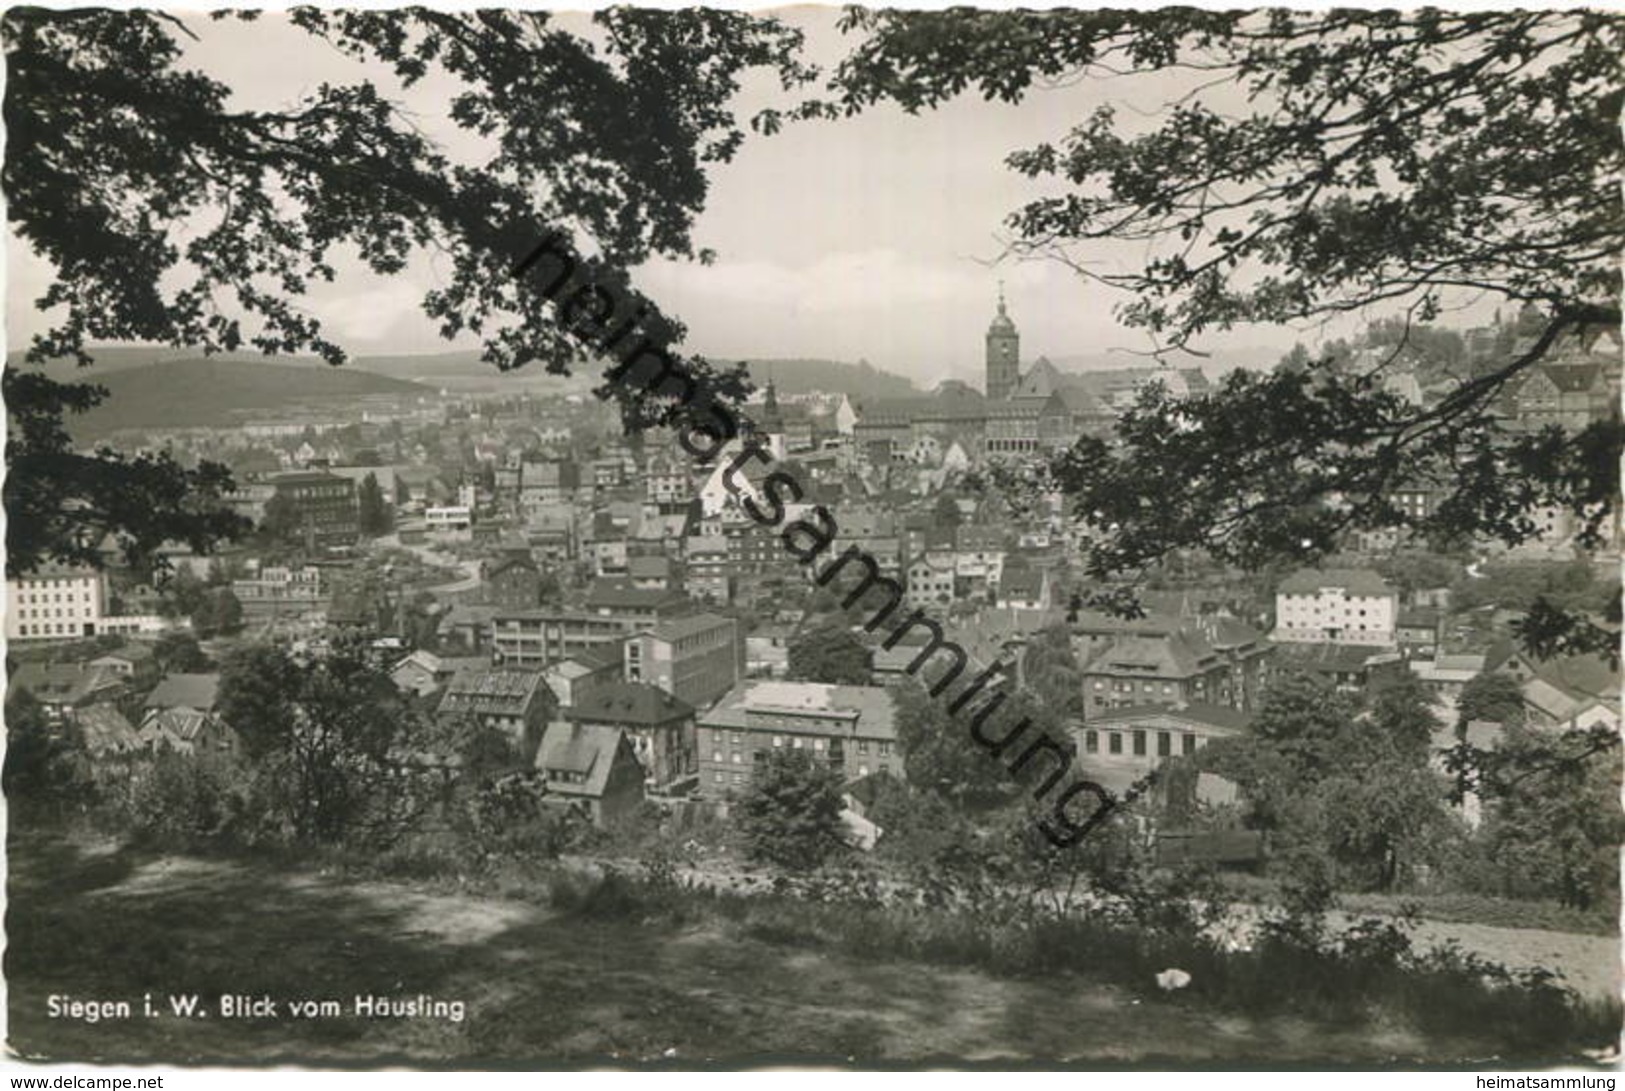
[[870, 237]]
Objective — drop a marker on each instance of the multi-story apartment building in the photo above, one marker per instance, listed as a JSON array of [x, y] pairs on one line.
[[1336, 606], [323, 505], [280, 590], [930, 580], [548, 481], [708, 576], [852, 728], [56, 602], [1124, 744], [514, 702], [536, 638], [695, 658], [659, 725], [1208, 660]]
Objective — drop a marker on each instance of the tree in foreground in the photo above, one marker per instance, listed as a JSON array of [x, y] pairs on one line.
[[1553, 824], [172, 213], [331, 742], [791, 814], [1331, 777], [1321, 164]]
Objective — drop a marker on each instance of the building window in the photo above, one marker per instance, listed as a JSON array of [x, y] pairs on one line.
[[1091, 742], [778, 740], [885, 749], [1116, 742], [1165, 744], [1139, 744]]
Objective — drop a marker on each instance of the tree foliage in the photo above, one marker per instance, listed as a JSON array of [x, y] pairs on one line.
[[1495, 698], [1330, 775], [374, 511], [333, 742], [61, 504], [1554, 825], [1321, 163], [172, 214], [791, 814], [828, 652], [939, 754]]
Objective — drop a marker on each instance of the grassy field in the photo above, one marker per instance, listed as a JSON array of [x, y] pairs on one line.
[[545, 986]]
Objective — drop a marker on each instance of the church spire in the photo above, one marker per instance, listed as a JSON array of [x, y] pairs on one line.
[[1003, 348]]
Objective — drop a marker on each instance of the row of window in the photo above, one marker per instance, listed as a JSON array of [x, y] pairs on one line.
[[1114, 742], [25, 598], [71, 628]]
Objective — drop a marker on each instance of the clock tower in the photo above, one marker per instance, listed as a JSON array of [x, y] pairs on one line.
[[1003, 354]]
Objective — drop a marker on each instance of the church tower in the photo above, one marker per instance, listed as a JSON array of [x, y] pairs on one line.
[[1003, 355]]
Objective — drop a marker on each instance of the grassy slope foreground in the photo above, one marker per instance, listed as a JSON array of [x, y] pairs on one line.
[[544, 986]]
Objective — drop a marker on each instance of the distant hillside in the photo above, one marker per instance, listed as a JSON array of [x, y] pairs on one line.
[[858, 381], [214, 392]]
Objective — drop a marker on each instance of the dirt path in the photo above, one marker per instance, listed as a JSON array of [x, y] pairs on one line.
[[530, 984]]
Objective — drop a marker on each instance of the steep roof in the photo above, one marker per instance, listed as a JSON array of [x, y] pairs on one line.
[[195, 691], [491, 692], [586, 749], [106, 730], [631, 703], [63, 683], [184, 724]]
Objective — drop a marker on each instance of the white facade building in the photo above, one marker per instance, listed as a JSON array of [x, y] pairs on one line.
[[1337, 606], [56, 603]]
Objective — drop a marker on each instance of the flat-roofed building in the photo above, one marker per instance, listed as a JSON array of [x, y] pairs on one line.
[[56, 602], [695, 658], [851, 728]]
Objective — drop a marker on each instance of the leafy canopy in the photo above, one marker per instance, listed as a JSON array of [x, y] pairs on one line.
[[171, 214], [1319, 164]]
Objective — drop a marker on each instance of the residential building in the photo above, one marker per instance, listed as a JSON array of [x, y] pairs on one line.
[[199, 692], [573, 678], [62, 689], [1352, 606], [659, 726], [132, 662], [514, 582], [56, 602], [1207, 660], [695, 658], [514, 702], [1118, 747], [323, 506], [1445, 675], [187, 730], [548, 481], [591, 768], [708, 577], [278, 590], [852, 728], [1351, 668]]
